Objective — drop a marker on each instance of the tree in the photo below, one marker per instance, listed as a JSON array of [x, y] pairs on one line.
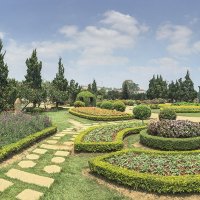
[[89, 88], [33, 79], [113, 94], [74, 89], [94, 87], [3, 78], [172, 91], [125, 91], [157, 88], [132, 87], [188, 88], [58, 90]]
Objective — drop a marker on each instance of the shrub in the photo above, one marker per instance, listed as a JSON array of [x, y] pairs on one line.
[[107, 105], [98, 104], [128, 102], [174, 129], [184, 108], [169, 144], [119, 106], [87, 97], [34, 110], [141, 112], [79, 104], [167, 113]]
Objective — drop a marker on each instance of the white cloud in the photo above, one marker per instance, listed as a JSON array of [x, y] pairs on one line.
[[179, 38], [69, 31]]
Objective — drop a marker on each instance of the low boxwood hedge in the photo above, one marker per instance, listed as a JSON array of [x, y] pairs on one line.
[[10, 149], [144, 181], [101, 118], [169, 143], [117, 144]]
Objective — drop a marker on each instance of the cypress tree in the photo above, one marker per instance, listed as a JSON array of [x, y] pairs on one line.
[[89, 88], [3, 78], [125, 91], [94, 87], [33, 76]]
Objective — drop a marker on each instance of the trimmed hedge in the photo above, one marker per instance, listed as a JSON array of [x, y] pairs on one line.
[[184, 109], [101, 118], [116, 145], [10, 149], [169, 143], [144, 181]]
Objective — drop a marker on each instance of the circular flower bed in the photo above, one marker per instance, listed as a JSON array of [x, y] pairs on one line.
[[172, 135], [99, 114], [153, 171]]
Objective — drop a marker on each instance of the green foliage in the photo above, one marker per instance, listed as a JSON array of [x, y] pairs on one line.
[[169, 144], [87, 97], [94, 87], [144, 181], [3, 78], [113, 94], [183, 109], [115, 145], [167, 113], [98, 104], [142, 112], [125, 91], [119, 106], [107, 105], [12, 148], [74, 89], [157, 88], [128, 102], [79, 104]]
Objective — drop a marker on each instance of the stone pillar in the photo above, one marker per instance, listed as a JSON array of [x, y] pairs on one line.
[[18, 106]]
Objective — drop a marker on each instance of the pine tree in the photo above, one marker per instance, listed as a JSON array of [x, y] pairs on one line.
[[3, 78], [94, 87], [33, 80], [33, 76], [188, 88], [125, 92], [58, 90]]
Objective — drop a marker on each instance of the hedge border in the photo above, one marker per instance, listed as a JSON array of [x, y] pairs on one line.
[[116, 145], [163, 143], [145, 181], [101, 118], [10, 149]]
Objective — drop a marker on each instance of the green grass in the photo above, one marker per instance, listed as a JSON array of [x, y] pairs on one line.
[[70, 184]]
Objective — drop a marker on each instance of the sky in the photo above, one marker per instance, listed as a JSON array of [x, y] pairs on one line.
[[108, 40]]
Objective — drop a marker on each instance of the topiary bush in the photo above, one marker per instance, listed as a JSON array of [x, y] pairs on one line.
[[174, 129], [119, 106], [79, 104], [142, 112], [107, 105], [167, 113], [87, 97]]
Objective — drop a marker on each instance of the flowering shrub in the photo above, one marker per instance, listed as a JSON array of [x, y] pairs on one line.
[[15, 127], [174, 129]]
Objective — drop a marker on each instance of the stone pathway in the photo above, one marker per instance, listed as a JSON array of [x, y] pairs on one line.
[[53, 145]]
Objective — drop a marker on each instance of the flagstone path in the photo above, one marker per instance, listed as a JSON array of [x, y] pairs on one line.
[[59, 150]]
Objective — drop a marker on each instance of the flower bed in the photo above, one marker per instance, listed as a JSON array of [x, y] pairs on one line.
[[15, 127], [152, 171], [99, 114], [183, 109], [105, 138]]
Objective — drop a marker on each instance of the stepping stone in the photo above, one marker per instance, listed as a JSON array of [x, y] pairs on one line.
[[60, 134], [58, 160], [32, 156], [55, 147], [29, 194], [62, 153], [51, 169], [39, 151], [26, 164], [51, 141], [30, 178], [4, 184], [69, 143]]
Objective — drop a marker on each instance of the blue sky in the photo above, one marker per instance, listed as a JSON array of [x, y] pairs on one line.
[[107, 40]]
